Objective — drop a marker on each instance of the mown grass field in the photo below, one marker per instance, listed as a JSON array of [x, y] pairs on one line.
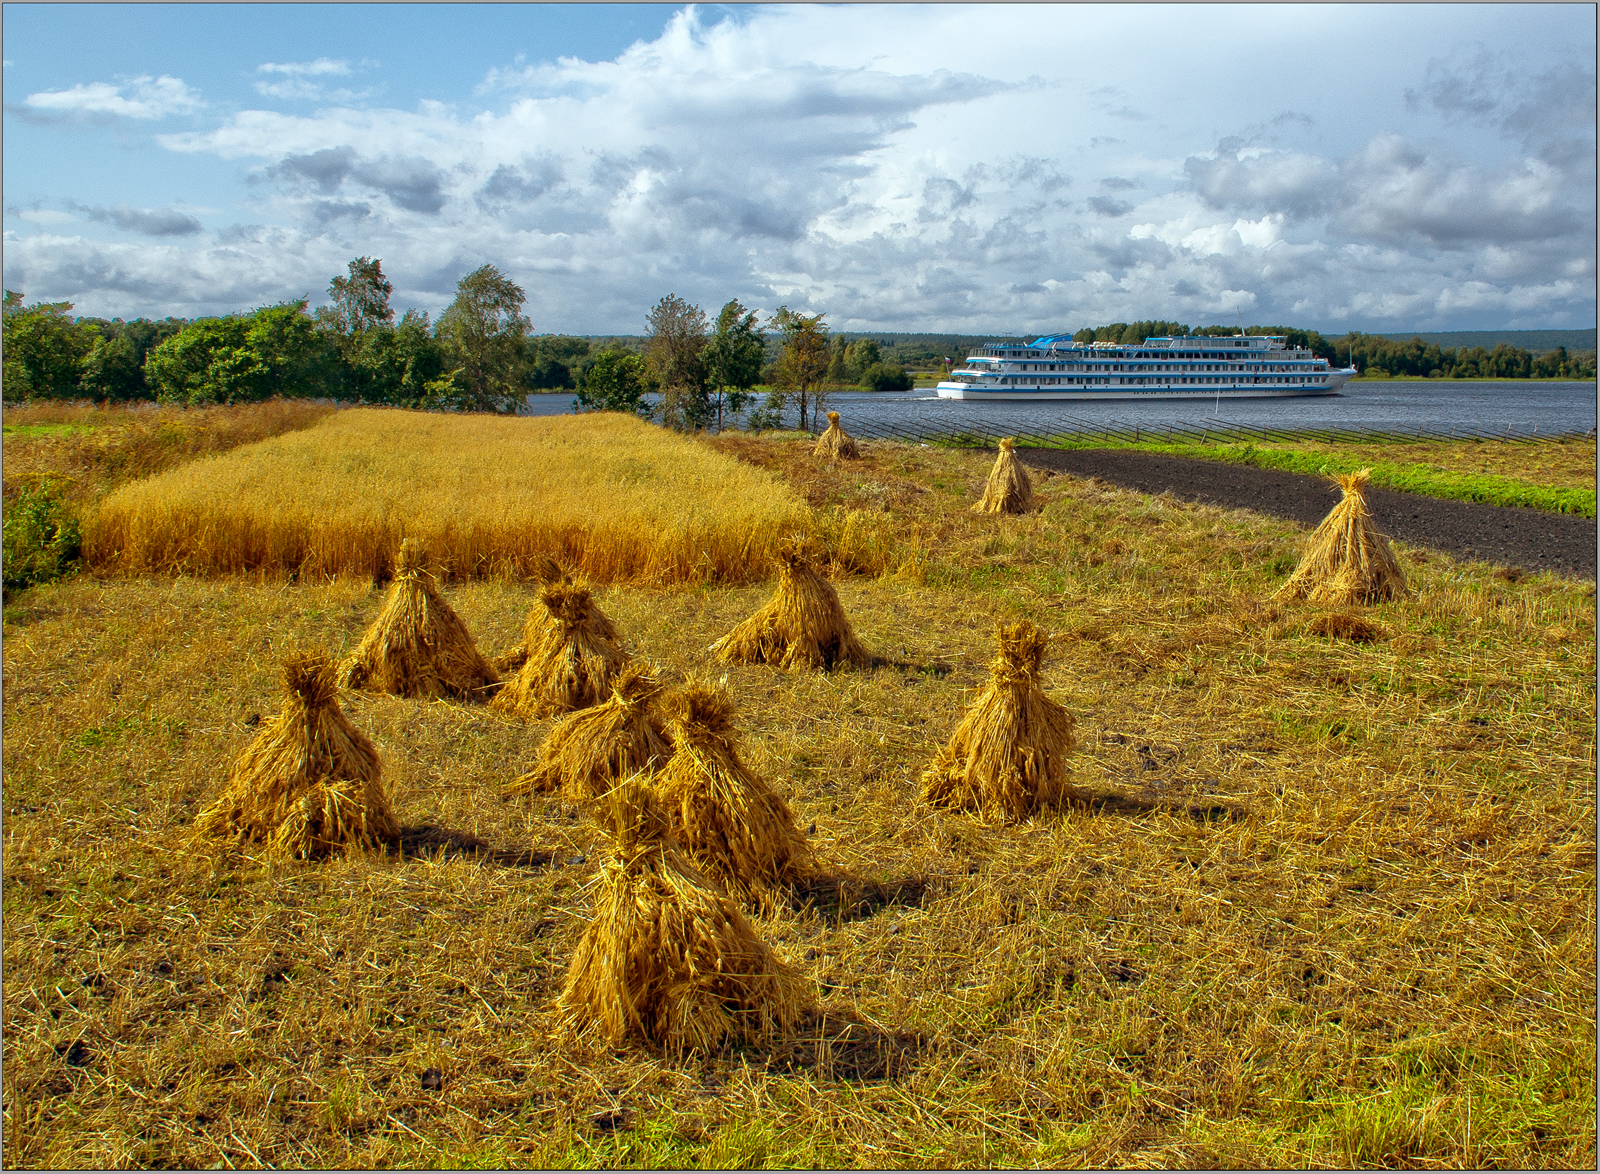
[[613, 496], [1335, 907]]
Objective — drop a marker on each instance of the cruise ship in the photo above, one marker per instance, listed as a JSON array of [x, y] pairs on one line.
[[1227, 367]]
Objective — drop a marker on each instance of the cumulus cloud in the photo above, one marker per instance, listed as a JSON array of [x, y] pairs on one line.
[[742, 158], [145, 98]]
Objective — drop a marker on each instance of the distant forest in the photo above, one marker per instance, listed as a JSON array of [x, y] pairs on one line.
[[482, 353], [1461, 354]]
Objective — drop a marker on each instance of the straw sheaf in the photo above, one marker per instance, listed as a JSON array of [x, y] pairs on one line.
[[835, 442], [310, 781], [667, 959], [418, 646], [587, 752], [1007, 758], [573, 652], [1346, 559], [729, 821], [802, 625], [1009, 490]]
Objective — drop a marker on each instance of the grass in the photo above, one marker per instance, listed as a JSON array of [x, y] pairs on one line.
[[1335, 907], [612, 496], [1556, 475]]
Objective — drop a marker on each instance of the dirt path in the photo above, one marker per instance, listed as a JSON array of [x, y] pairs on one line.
[[1534, 540]]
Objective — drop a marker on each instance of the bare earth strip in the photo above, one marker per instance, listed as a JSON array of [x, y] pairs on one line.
[[1534, 540]]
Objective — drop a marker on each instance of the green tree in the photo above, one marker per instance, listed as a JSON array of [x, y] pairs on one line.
[[361, 297], [485, 338], [113, 370], [277, 350], [734, 357], [862, 353], [838, 355], [885, 377], [674, 350], [803, 361], [44, 350], [617, 381], [394, 364]]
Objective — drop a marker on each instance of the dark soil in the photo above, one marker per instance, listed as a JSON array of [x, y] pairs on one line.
[[1533, 540]]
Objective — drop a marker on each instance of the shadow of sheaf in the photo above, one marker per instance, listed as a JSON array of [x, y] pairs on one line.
[[838, 897], [839, 1045], [1113, 803], [429, 841]]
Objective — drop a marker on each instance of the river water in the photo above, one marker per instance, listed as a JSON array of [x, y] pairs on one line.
[[1476, 407]]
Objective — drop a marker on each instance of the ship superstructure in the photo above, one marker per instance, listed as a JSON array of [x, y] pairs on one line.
[[1229, 367]]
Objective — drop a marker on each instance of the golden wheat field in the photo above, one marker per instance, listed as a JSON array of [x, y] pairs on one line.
[[1331, 901], [612, 496]]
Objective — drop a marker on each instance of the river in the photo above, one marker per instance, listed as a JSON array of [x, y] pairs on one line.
[[1466, 408]]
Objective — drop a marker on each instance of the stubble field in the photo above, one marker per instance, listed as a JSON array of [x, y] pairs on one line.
[[1334, 905]]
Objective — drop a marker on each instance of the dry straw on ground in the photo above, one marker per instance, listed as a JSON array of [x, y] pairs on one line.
[[836, 442], [588, 752], [569, 655], [1346, 560], [418, 646], [310, 782], [1008, 755], [668, 959], [1009, 489], [729, 821], [802, 625]]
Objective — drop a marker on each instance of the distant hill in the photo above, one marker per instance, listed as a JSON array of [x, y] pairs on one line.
[[1536, 342]]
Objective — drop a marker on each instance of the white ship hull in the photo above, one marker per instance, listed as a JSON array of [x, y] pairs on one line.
[[967, 391], [1197, 367]]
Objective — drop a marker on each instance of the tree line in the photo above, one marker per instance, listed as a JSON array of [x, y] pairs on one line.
[[1373, 353], [480, 355]]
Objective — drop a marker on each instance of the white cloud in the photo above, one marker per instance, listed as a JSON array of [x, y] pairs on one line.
[[144, 97], [321, 67], [889, 167], [298, 81]]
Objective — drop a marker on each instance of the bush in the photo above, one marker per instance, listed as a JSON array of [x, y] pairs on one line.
[[41, 539], [886, 377]]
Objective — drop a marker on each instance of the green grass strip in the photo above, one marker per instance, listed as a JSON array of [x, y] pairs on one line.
[[1482, 487]]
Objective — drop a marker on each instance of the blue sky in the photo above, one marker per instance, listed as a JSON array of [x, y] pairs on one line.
[[948, 167]]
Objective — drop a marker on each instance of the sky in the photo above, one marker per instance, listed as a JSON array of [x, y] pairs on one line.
[[940, 168]]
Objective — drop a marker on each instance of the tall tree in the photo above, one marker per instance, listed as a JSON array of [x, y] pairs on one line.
[[733, 358], [674, 350], [485, 338], [804, 359], [361, 298]]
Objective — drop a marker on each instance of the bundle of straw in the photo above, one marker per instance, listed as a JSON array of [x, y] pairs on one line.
[[1346, 560], [1008, 755], [572, 653], [668, 959], [803, 624], [418, 646], [836, 442], [728, 820], [310, 781], [547, 572], [1008, 490], [586, 753]]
